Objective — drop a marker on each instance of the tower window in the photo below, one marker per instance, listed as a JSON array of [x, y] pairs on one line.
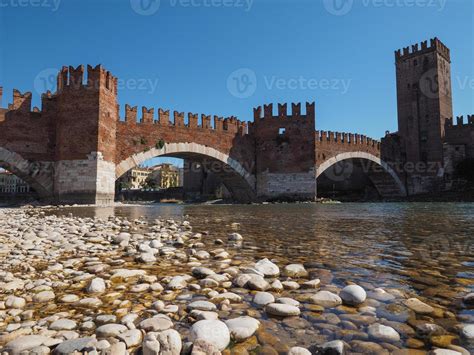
[[281, 131], [415, 62]]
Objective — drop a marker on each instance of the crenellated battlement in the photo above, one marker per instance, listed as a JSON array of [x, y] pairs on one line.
[[283, 111], [21, 102], [460, 122], [207, 122], [331, 137], [422, 48], [98, 77]]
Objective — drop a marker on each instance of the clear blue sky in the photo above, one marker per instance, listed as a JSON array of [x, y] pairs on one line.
[[181, 55]]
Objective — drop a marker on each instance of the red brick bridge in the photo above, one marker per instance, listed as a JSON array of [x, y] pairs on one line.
[[76, 146]]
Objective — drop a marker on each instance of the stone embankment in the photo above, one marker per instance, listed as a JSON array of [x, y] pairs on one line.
[[112, 286]]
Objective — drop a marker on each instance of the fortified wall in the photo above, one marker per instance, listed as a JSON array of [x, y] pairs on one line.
[[74, 148]]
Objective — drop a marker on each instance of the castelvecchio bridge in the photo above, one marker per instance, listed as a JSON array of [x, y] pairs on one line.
[[77, 145]]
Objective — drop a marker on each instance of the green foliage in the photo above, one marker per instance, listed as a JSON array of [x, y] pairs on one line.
[[160, 144]]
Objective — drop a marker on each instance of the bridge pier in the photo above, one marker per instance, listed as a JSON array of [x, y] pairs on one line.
[[89, 181]]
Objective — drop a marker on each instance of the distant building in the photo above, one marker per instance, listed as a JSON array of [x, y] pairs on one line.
[[12, 184], [134, 179], [164, 176]]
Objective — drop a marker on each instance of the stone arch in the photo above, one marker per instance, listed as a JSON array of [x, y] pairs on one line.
[[238, 181], [39, 175], [385, 179]]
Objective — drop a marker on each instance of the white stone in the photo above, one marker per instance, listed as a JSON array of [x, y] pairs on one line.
[[177, 283], [110, 330], [170, 342], [242, 328], [298, 351], [15, 302], [267, 268], [151, 345], [44, 296], [202, 305], [468, 331], [131, 337], [326, 299], [263, 298], [63, 324], [383, 333], [282, 310], [97, 285], [295, 270], [353, 295], [212, 331], [156, 324]]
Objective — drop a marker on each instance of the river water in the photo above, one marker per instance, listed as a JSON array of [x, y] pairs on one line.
[[424, 250]]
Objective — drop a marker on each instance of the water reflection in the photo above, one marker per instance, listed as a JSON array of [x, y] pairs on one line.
[[425, 249]]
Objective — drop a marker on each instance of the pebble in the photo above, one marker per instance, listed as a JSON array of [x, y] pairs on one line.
[[383, 333], [295, 270], [353, 295], [282, 310], [110, 330], [326, 299], [97, 285], [468, 331], [211, 331], [267, 268], [242, 328], [418, 306], [44, 296], [263, 298]]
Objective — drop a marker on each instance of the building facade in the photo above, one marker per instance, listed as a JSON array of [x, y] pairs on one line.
[[11, 184], [134, 179], [165, 176]]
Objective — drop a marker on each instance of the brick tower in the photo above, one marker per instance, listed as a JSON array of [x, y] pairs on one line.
[[424, 102], [285, 148], [85, 115]]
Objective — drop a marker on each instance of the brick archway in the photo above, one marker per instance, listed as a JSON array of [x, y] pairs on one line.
[[36, 174], [238, 181], [385, 179]]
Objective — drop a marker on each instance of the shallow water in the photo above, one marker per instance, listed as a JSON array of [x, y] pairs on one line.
[[424, 249]]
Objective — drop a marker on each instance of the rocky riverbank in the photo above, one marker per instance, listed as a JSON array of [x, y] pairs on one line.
[[116, 286]]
